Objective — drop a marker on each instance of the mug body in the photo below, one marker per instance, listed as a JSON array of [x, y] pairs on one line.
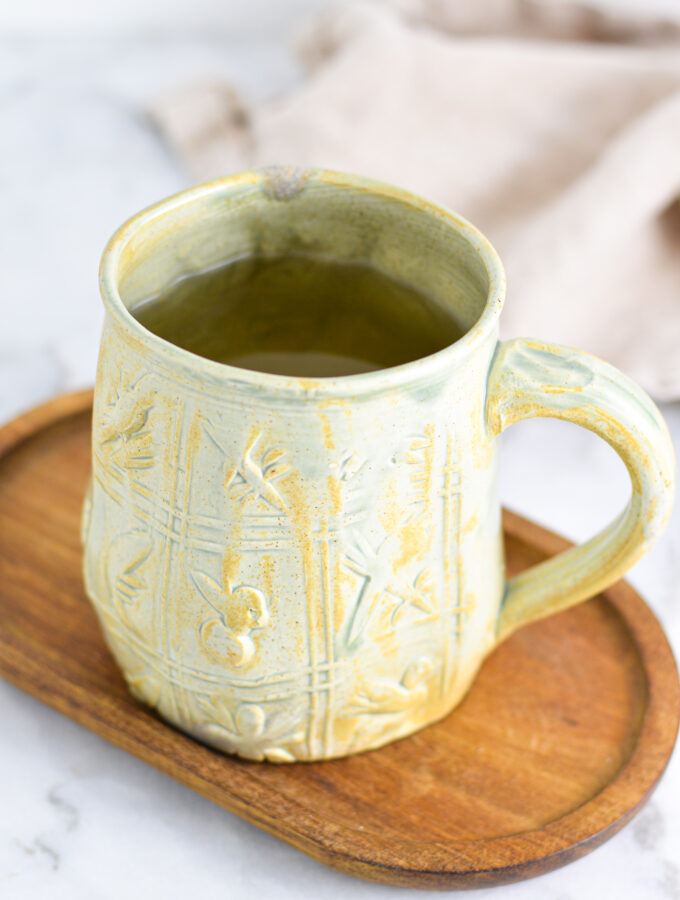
[[293, 568]]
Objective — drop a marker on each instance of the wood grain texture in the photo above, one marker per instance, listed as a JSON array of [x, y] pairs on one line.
[[565, 733]]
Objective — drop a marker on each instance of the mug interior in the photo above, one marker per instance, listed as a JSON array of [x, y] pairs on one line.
[[280, 212]]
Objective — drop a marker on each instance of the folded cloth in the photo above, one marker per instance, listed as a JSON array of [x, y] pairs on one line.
[[553, 127]]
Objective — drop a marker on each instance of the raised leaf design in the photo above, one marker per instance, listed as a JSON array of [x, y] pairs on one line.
[[381, 707], [254, 477], [387, 696], [123, 427], [383, 591], [250, 732], [128, 587]]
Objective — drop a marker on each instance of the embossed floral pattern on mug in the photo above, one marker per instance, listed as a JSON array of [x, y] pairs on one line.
[[293, 568]]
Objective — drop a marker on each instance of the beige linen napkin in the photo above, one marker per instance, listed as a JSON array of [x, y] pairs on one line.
[[553, 127]]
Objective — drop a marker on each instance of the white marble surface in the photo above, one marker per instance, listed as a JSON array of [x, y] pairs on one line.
[[80, 819]]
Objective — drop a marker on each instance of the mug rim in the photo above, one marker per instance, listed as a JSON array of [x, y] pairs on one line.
[[417, 370]]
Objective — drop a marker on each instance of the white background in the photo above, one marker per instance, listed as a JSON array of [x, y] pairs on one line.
[[80, 819], [240, 18]]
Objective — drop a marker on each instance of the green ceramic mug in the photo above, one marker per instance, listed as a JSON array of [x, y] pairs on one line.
[[292, 568]]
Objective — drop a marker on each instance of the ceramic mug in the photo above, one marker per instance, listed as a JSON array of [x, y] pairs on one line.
[[296, 568]]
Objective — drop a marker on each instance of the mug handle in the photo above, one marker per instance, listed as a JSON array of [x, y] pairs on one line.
[[529, 378]]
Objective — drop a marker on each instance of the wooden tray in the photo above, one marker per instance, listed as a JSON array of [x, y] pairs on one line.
[[561, 740]]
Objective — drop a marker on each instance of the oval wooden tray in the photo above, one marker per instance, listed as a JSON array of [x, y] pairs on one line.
[[562, 738]]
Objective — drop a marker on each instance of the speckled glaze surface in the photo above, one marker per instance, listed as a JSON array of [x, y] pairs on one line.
[[295, 569]]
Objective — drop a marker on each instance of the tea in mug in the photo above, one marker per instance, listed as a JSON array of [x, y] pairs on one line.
[[299, 315]]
